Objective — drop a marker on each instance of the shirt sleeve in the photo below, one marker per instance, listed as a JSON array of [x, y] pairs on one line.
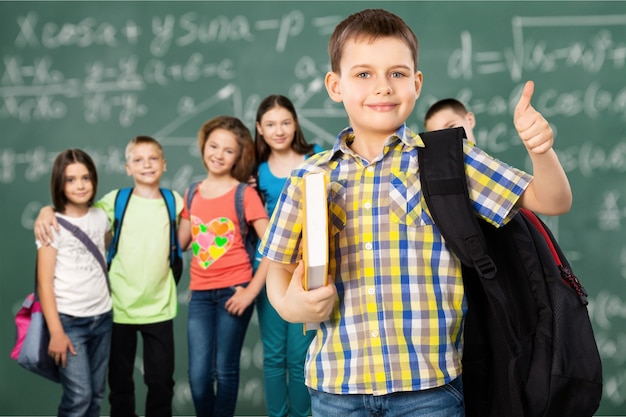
[[495, 187], [107, 204], [281, 242], [253, 205]]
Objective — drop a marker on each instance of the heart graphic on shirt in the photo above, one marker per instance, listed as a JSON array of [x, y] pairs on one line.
[[211, 240]]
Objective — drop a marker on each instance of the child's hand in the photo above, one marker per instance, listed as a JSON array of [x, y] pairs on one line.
[[240, 300], [313, 306], [45, 221], [60, 343], [532, 127]]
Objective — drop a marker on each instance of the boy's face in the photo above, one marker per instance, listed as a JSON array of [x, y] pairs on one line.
[[377, 85], [146, 164], [448, 118]]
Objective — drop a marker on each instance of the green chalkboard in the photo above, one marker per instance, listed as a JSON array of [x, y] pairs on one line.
[[95, 74]]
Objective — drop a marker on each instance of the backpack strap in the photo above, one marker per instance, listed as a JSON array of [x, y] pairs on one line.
[[121, 202], [170, 203], [444, 187], [191, 191], [241, 213], [86, 240]]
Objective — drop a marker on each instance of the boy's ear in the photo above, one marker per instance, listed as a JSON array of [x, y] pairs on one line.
[[471, 119], [419, 81], [128, 173], [332, 87]]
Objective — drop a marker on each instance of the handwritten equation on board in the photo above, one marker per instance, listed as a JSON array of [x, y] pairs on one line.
[[38, 90]]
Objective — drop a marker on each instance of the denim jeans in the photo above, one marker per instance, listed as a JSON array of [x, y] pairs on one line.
[[158, 368], [215, 339], [444, 401], [84, 377], [284, 352]]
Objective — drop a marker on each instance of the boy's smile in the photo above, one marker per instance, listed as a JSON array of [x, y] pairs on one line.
[[377, 85], [146, 164]]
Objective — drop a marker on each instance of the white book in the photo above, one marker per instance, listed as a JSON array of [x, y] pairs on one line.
[[315, 232]]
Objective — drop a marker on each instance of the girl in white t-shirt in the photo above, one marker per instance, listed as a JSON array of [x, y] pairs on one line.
[[73, 287]]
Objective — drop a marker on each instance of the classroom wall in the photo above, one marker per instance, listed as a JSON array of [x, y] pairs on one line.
[[95, 74]]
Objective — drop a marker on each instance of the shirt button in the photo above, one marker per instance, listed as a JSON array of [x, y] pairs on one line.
[[375, 333], [367, 205], [371, 291], [369, 246], [370, 169]]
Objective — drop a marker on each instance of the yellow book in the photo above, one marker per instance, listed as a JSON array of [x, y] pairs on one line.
[[315, 232]]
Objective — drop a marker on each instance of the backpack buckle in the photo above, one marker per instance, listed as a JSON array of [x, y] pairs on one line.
[[485, 267]]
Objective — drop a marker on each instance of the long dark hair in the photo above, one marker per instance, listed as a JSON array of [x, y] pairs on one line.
[[299, 143], [57, 178]]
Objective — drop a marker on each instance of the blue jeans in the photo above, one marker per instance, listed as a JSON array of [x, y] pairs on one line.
[[444, 401], [84, 377], [284, 352], [215, 339]]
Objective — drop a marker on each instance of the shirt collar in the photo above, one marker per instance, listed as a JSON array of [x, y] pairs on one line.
[[409, 138]]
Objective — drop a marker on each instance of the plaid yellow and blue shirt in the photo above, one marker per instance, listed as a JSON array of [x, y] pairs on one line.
[[397, 325]]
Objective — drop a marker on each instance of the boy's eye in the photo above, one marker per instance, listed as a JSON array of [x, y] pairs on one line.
[[397, 74], [363, 75]]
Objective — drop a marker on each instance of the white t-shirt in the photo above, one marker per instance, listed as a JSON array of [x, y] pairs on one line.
[[80, 285]]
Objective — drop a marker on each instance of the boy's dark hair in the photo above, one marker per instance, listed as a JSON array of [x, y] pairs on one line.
[[140, 140], [446, 103], [369, 24], [299, 143], [244, 167], [57, 179]]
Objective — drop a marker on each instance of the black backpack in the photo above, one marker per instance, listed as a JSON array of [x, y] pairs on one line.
[[530, 349]]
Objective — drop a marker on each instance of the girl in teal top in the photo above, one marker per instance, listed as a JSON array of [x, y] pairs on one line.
[[280, 147]]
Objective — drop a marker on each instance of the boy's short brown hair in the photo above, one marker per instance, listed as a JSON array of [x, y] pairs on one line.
[[446, 103], [139, 140], [245, 165], [369, 24]]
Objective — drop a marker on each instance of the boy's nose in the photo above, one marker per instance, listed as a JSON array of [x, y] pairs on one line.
[[384, 88]]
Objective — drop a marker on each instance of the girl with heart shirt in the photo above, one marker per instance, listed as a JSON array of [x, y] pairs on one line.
[[222, 282], [281, 147]]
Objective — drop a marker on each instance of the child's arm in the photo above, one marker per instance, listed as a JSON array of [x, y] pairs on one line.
[[59, 341], [244, 296], [184, 233], [549, 192], [44, 223], [293, 303], [108, 236]]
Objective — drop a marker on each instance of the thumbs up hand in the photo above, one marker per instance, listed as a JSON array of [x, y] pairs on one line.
[[532, 127]]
